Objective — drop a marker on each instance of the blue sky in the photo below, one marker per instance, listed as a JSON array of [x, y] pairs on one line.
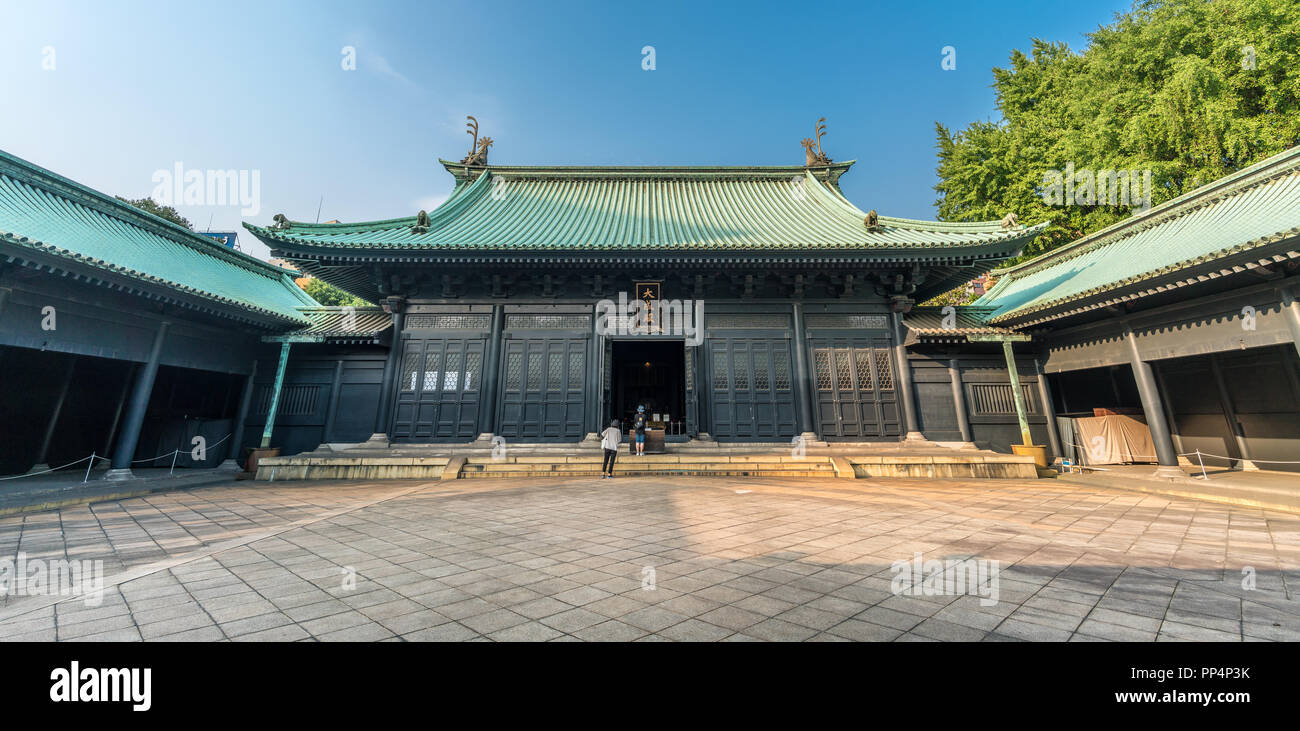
[[138, 87]]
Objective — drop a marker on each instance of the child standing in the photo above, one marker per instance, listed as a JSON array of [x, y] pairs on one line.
[[609, 440]]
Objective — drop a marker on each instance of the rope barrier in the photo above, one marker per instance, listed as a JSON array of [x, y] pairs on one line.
[[93, 456]]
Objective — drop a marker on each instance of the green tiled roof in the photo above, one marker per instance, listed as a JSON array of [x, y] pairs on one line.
[[353, 323], [632, 209], [41, 212], [1241, 216]]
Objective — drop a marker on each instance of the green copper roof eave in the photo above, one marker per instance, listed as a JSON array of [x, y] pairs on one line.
[[647, 171], [1254, 208], [43, 214], [605, 211], [29, 172]]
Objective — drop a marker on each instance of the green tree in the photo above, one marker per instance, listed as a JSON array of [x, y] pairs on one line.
[[327, 294], [1191, 90], [149, 205]]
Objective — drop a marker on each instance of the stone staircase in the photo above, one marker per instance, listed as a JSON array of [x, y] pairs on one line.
[[773, 462], [650, 465]]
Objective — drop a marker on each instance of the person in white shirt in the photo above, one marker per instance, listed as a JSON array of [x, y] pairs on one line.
[[609, 440]]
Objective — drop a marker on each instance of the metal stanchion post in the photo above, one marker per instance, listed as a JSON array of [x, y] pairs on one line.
[[90, 464], [172, 471], [1202, 463]]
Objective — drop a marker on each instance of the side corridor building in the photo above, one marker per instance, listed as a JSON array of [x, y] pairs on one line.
[[492, 319]]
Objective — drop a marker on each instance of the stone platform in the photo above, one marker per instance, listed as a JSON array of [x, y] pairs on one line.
[[476, 461]]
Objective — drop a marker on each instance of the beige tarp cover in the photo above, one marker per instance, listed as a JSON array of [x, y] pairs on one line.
[[1114, 439]]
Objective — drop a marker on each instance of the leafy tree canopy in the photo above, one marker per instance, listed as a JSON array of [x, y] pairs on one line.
[[149, 205], [1191, 90], [327, 294]]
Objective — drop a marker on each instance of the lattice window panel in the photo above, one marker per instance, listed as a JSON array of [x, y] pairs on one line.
[[575, 371], [514, 364], [548, 322], [848, 322], [997, 399], [884, 370], [451, 375], [534, 371], [720, 379], [431, 371], [295, 400], [690, 368], [473, 365], [410, 371], [750, 321], [822, 365], [741, 365], [843, 373], [448, 322], [555, 372], [862, 361], [762, 382], [781, 375]]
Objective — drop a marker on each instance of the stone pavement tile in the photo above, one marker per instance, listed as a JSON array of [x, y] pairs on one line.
[[574, 619], [83, 630], [1119, 633], [317, 610], [1230, 623], [812, 618], [860, 631], [653, 618], [129, 634], [1021, 629], [1177, 632], [539, 608], [688, 605], [211, 633], [732, 617], [334, 622], [283, 633], [250, 625], [776, 630], [616, 606], [581, 596], [610, 631], [35, 635], [901, 621], [394, 608], [695, 630], [464, 609], [449, 632], [360, 633], [526, 632], [174, 625], [765, 605], [938, 629], [1124, 619], [421, 619], [493, 621]]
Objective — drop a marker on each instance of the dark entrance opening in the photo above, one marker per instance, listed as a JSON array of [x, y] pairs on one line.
[[651, 374]]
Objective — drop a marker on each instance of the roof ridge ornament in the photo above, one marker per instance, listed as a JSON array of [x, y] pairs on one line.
[[421, 223], [1009, 221], [281, 222], [817, 158], [872, 220], [478, 149]]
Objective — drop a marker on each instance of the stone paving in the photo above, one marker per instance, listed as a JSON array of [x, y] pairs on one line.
[[728, 559]]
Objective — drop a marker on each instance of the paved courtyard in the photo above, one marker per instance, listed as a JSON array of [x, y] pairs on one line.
[[655, 559]]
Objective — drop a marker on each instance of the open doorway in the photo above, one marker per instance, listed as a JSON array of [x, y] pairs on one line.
[[650, 374]]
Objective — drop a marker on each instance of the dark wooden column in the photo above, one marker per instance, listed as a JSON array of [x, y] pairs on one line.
[[959, 401], [802, 377], [1154, 410], [136, 409], [386, 395], [908, 398], [1049, 409], [335, 387], [1230, 414], [491, 372], [235, 460]]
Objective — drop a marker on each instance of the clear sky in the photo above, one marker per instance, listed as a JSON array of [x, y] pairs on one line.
[[108, 93]]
